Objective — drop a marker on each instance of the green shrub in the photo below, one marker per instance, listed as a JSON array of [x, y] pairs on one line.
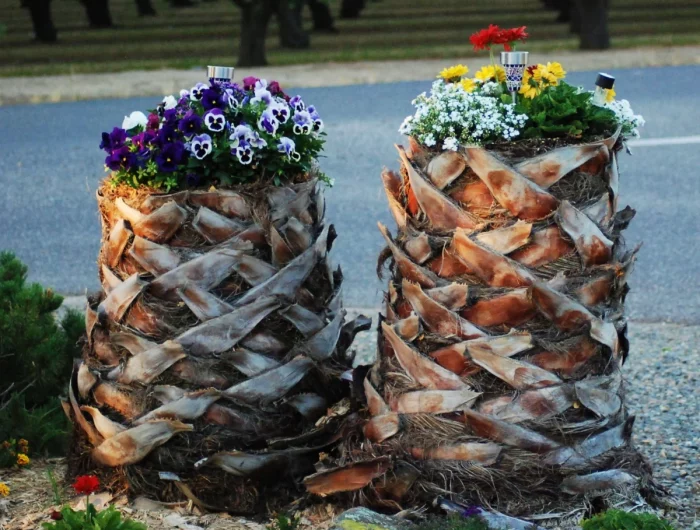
[[284, 522], [619, 520], [36, 357]]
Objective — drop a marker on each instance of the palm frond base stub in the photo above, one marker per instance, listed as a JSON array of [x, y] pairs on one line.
[[499, 373], [214, 353]]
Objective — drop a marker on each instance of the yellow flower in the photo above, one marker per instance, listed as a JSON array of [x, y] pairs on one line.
[[4, 489], [6, 444], [556, 70], [22, 459], [609, 95], [454, 72], [467, 84], [532, 83], [491, 72]]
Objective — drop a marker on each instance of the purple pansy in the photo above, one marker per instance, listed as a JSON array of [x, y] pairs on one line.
[[201, 146], [170, 117], [153, 122], [213, 99], [268, 122], [249, 82], [215, 120], [166, 135], [303, 124], [262, 94], [143, 140], [244, 152], [297, 103], [318, 122], [231, 99], [274, 88], [191, 123], [170, 156], [197, 91], [288, 147], [113, 140], [280, 111], [192, 179], [240, 133], [256, 141], [121, 158]]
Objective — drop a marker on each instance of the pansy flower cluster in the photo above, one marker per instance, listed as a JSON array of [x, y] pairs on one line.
[[217, 133]]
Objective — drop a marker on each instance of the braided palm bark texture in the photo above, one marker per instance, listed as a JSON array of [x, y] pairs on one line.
[[216, 345], [498, 379]]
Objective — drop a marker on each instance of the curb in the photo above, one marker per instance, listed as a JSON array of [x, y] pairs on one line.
[[157, 83]]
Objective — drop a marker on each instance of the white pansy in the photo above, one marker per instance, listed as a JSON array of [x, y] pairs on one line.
[[169, 102], [134, 119]]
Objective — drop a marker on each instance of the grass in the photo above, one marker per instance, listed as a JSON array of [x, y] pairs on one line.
[[387, 29]]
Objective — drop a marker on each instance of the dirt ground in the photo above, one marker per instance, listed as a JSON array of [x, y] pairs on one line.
[[31, 502]]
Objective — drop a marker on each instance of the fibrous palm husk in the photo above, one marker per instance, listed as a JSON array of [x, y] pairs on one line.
[[498, 378], [218, 342]]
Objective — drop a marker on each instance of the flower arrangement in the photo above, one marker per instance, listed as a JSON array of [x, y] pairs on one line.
[[90, 518], [218, 133], [14, 453], [461, 110]]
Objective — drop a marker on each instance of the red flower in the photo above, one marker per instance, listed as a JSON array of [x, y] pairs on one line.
[[249, 82], [56, 516], [482, 40], [86, 484], [508, 36], [274, 88], [153, 122]]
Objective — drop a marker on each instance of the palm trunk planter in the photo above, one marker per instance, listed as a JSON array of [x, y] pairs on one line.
[[219, 337], [498, 381]]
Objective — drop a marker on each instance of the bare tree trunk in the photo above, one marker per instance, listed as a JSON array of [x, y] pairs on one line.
[[351, 8], [291, 32], [322, 17], [254, 21], [98, 14], [40, 12], [145, 8], [593, 17]]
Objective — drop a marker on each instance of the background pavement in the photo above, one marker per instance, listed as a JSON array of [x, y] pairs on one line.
[[50, 168]]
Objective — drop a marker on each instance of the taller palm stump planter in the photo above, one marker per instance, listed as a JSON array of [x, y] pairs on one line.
[[499, 380], [216, 344]]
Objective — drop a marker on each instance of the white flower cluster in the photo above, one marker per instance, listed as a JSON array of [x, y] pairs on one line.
[[626, 117], [451, 116]]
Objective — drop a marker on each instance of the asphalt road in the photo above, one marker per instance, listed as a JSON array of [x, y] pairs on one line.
[[50, 166]]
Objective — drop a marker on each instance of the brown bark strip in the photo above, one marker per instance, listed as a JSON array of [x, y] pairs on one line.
[[418, 247], [612, 479], [443, 214], [251, 363], [436, 317], [351, 477], [156, 259], [493, 268], [445, 168], [518, 374], [203, 304], [547, 245], [226, 202], [408, 269], [189, 407], [322, 345], [375, 402], [120, 298], [146, 366], [507, 433], [106, 427], [419, 368], [452, 296], [307, 322], [392, 188], [133, 445], [506, 240], [435, 401], [591, 243], [273, 384], [214, 227], [511, 309], [521, 197], [546, 169], [485, 454], [116, 243], [382, 427], [162, 224]]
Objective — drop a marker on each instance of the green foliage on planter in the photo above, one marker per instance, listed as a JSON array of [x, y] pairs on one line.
[[564, 110], [36, 356], [90, 519], [454, 522], [619, 520], [284, 522]]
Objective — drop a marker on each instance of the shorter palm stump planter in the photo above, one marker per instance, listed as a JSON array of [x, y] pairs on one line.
[[215, 349]]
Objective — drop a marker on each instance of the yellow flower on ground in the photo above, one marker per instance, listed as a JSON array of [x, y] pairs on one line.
[[22, 459], [454, 72], [486, 73], [4, 489], [610, 95], [6, 444], [467, 84]]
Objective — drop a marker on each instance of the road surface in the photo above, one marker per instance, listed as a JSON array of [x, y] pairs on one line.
[[50, 166]]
